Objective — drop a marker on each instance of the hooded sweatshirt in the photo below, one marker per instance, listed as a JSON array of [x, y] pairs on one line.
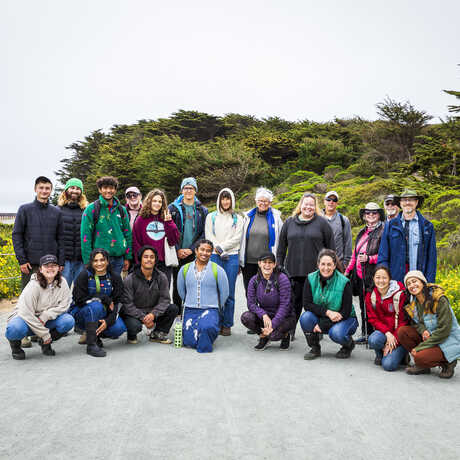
[[224, 228], [36, 305]]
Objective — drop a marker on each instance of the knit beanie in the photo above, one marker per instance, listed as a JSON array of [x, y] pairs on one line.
[[189, 181], [74, 182], [415, 274]]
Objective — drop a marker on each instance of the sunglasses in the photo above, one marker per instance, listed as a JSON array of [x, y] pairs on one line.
[[390, 203], [131, 195], [370, 212], [333, 198]]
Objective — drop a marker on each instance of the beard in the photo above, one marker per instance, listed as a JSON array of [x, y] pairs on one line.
[[392, 212]]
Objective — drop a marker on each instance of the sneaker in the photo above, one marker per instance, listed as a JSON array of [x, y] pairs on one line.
[[226, 331], [315, 352], [447, 370], [26, 343], [263, 342], [160, 337], [132, 339], [414, 370], [82, 339], [285, 342]]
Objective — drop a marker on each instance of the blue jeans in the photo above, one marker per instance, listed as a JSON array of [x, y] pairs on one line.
[[117, 264], [93, 312], [72, 269], [391, 361], [17, 328], [200, 328], [231, 267], [340, 332]]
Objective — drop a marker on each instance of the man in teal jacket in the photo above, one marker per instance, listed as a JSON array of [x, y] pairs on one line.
[[105, 224]]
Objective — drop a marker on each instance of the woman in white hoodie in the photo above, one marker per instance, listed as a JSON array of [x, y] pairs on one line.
[[224, 228]]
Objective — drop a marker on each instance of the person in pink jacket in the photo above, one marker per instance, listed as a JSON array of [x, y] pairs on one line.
[[384, 306], [152, 226]]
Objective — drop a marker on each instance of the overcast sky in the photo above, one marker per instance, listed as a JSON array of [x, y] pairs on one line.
[[71, 67]]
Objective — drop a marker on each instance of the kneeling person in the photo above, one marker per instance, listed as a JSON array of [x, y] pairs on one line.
[[146, 299], [41, 309], [97, 293], [203, 287]]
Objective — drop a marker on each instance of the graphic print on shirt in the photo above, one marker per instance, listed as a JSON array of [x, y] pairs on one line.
[[155, 230]]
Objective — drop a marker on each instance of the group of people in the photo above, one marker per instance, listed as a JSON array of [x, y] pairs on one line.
[[120, 261]]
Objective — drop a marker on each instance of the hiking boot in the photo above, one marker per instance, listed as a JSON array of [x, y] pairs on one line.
[[285, 342], [26, 342], [263, 342], [226, 331], [46, 348], [447, 370], [315, 352], [345, 351], [55, 335], [99, 342], [82, 339], [92, 347], [132, 339], [414, 370], [16, 351], [160, 337], [378, 358]]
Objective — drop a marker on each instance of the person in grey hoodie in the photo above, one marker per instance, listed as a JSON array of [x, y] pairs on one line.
[[41, 309], [224, 228]]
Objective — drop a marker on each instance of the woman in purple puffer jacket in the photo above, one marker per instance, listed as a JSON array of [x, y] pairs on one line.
[[270, 314]]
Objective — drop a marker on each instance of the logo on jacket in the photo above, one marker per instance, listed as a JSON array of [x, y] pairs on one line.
[[155, 230]]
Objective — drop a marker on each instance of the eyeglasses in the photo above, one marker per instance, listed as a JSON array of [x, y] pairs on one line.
[[370, 212], [188, 189], [390, 203], [132, 195], [263, 201], [332, 198]]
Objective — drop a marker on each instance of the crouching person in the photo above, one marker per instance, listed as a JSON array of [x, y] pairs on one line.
[[97, 294], [147, 300], [41, 309], [203, 287], [327, 299], [270, 314]]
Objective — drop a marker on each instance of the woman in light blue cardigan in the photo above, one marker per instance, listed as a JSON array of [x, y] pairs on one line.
[[203, 287]]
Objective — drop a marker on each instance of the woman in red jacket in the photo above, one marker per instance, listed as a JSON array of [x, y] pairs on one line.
[[153, 224], [384, 305]]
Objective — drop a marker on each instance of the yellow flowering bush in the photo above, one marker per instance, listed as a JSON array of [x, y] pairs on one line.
[[9, 267], [449, 278]]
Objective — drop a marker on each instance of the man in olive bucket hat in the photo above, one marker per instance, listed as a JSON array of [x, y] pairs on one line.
[[409, 240]]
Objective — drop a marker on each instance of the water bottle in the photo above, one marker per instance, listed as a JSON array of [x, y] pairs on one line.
[[178, 334]]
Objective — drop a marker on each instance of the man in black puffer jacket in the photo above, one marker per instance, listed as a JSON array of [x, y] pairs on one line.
[[37, 231], [147, 300], [72, 203]]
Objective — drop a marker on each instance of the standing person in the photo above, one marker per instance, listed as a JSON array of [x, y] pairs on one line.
[[385, 310], [189, 215], [72, 203], [434, 340], [152, 226], [105, 224], [270, 313], [340, 227], [328, 303], [391, 205], [146, 299], [203, 286], [362, 265], [224, 228], [302, 237], [133, 203], [37, 231], [41, 309], [409, 241], [97, 297], [261, 230]]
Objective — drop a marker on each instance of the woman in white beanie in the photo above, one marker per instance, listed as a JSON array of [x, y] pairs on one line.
[[434, 339]]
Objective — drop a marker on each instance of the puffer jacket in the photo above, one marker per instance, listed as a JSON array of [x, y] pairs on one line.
[[71, 223]]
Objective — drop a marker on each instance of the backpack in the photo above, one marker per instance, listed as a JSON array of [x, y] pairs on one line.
[[213, 220], [396, 304], [214, 271], [97, 213]]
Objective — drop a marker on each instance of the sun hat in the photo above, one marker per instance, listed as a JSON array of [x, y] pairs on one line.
[[410, 193], [371, 206]]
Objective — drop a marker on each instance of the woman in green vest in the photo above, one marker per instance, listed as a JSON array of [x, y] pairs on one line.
[[327, 300]]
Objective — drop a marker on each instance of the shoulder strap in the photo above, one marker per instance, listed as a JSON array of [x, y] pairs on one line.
[[185, 270], [373, 300], [342, 220], [396, 305], [213, 220], [97, 212], [214, 271]]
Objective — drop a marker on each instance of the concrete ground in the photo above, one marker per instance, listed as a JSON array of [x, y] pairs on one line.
[[154, 401]]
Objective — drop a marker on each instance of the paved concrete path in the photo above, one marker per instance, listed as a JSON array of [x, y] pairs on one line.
[[154, 401]]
